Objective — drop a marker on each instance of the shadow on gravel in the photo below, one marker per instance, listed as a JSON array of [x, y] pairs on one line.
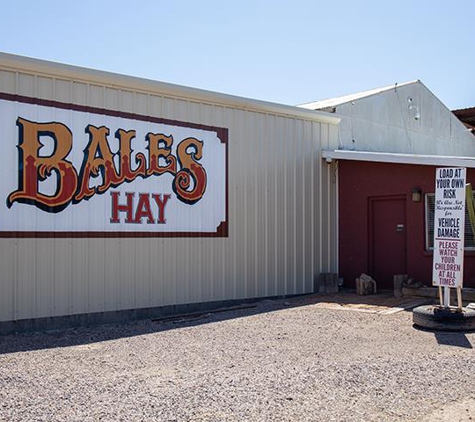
[[84, 335], [31, 341], [453, 339], [448, 338]]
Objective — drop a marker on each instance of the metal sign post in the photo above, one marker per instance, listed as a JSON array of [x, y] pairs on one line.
[[449, 230]]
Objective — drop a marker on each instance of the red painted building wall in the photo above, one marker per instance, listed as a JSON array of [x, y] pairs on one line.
[[370, 196]]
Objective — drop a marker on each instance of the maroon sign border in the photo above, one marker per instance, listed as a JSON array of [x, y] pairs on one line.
[[221, 133]]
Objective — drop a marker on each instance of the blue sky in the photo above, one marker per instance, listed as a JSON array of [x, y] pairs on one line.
[[289, 52]]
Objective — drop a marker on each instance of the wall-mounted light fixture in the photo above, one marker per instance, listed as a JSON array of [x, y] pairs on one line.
[[416, 194]]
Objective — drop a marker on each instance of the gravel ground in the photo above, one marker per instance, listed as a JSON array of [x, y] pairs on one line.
[[293, 360]]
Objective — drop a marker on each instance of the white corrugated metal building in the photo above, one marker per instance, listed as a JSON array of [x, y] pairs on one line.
[[391, 140], [404, 118], [75, 140]]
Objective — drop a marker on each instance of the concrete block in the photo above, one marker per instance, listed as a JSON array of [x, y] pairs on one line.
[[326, 283], [399, 280]]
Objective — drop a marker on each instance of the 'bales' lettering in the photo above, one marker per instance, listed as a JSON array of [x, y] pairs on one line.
[[189, 182], [97, 158], [191, 172], [34, 168]]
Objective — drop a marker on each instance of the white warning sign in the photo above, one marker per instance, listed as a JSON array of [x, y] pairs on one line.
[[449, 225]]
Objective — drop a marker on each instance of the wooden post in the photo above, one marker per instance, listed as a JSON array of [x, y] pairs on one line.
[[470, 206], [471, 215], [459, 298], [446, 297], [441, 297]]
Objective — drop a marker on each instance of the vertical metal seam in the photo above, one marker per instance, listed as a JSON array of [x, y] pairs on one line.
[[337, 219], [320, 205], [330, 228]]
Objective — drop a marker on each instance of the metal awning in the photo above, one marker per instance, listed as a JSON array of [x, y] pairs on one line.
[[385, 157]]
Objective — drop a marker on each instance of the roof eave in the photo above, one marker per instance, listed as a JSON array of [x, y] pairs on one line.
[[383, 157]]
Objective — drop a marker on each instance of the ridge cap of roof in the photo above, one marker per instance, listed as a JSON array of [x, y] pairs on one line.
[[334, 101]]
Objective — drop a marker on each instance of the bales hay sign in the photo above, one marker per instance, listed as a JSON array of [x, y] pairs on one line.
[[69, 170]]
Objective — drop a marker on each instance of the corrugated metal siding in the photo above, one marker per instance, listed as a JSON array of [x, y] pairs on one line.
[[282, 219], [386, 122]]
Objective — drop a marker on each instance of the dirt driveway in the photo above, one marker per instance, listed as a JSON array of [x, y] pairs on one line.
[[308, 359]]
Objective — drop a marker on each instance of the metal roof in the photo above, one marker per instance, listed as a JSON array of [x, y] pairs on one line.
[[333, 102], [31, 65], [466, 115]]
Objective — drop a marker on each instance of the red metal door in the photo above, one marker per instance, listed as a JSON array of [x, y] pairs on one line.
[[387, 239]]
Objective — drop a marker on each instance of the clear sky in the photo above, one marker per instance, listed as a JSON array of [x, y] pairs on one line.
[[289, 52]]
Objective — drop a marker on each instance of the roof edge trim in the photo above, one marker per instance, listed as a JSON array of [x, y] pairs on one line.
[[31, 65], [345, 99], [382, 157]]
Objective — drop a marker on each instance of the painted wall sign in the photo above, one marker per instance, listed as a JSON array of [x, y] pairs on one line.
[[449, 227], [69, 170]]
